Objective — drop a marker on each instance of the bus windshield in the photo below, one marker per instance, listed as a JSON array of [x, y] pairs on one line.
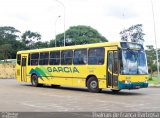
[[133, 62]]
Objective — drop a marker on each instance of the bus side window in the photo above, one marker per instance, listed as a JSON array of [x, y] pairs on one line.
[[96, 56], [115, 63], [19, 59], [29, 61], [34, 58], [80, 56], [44, 56], [66, 57], [54, 58], [110, 59]]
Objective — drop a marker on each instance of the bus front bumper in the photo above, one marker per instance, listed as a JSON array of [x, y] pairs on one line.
[[133, 85]]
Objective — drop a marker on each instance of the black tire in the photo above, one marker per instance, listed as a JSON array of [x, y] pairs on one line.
[[34, 81], [115, 91], [92, 85], [55, 86]]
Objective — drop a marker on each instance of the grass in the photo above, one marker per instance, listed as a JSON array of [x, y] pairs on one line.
[[154, 80]]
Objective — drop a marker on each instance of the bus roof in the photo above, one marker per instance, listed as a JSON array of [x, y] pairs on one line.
[[72, 47]]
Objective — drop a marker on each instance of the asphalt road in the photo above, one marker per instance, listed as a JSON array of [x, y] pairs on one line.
[[22, 97]]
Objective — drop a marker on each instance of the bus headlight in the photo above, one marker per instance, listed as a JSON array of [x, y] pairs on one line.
[[127, 82], [145, 81]]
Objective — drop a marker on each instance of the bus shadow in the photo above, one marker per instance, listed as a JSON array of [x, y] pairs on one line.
[[122, 93], [107, 92], [66, 88]]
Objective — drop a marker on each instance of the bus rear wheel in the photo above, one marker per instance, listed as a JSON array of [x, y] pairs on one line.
[[92, 85], [34, 81]]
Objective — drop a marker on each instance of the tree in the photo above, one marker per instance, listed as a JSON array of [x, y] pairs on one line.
[[8, 34], [29, 38], [77, 35], [150, 52], [4, 49], [40, 44], [8, 40], [134, 33]]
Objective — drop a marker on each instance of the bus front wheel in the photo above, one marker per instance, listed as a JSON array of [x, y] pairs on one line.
[[34, 81], [92, 85]]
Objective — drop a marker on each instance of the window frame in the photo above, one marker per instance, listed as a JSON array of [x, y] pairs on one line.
[[67, 57], [18, 60], [96, 55], [34, 59], [55, 58], [42, 59], [29, 59], [86, 49]]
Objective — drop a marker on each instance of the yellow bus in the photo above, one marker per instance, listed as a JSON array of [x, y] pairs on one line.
[[113, 65]]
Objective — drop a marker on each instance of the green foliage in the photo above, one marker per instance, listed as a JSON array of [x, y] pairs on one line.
[[150, 53], [40, 44], [78, 35], [4, 49], [151, 60], [134, 33], [153, 79], [8, 41], [29, 38], [8, 34], [11, 42], [154, 67], [11, 39]]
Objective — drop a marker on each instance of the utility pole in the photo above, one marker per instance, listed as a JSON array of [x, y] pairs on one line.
[[55, 29], [155, 36], [64, 8]]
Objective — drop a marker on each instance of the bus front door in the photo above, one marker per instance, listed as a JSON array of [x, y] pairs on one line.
[[24, 69], [112, 69]]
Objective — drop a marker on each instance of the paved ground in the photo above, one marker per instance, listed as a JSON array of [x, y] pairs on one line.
[[16, 97]]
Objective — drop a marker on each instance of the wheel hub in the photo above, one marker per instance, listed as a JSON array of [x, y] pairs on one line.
[[93, 84]]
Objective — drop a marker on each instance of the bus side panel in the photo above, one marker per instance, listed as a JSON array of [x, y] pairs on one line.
[[18, 72], [60, 75], [28, 75], [79, 76], [79, 79], [100, 72]]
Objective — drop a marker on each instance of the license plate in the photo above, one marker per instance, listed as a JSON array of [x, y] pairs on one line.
[[137, 87]]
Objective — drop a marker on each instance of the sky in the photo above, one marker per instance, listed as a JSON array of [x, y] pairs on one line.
[[109, 17]]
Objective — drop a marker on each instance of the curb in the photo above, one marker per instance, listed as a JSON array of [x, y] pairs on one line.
[[154, 86]]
